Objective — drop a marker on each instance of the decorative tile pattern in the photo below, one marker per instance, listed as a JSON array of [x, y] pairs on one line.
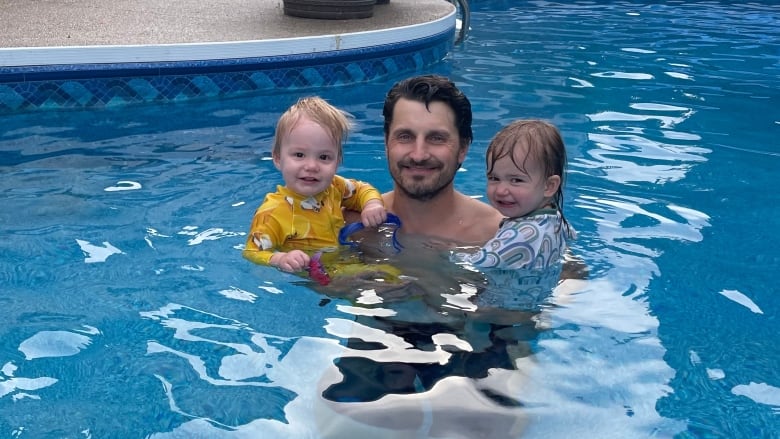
[[102, 85]]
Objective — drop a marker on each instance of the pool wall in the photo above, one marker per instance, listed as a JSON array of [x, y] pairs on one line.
[[105, 76]]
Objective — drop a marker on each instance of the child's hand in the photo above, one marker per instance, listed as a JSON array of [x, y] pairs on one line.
[[373, 214], [292, 261]]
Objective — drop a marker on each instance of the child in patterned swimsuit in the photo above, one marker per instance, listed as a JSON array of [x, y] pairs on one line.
[[526, 162], [305, 214]]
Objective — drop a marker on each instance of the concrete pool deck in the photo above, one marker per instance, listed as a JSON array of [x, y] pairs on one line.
[[84, 54], [76, 23]]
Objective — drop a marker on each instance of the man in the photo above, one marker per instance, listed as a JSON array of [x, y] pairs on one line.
[[427, 136], [428, 338]]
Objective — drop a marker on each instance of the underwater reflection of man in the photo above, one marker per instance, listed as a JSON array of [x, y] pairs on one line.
[[365, 379]]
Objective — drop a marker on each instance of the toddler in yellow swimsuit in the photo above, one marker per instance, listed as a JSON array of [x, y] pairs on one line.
[[305, 215]]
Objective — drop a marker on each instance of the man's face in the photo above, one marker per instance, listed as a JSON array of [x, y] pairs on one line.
[[423, 148]]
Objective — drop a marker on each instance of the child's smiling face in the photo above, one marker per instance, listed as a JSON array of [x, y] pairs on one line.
[[308, 158], [517, 191]]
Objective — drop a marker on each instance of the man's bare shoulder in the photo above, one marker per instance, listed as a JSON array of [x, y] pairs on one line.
[[478, 208], [457, 219], [480, 220], [479, 205], [387, 198]]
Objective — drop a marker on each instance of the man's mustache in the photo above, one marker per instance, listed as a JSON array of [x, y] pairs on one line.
[[429, 163]]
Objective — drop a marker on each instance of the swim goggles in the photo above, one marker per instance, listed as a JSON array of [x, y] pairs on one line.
[[354, 227]]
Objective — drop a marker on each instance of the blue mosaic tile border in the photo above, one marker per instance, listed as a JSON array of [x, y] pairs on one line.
[[32, 88]]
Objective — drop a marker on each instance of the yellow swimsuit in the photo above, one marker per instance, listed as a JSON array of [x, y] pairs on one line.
[[287, 221]]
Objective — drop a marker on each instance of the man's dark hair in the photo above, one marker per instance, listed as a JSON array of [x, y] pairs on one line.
[[427, 89]]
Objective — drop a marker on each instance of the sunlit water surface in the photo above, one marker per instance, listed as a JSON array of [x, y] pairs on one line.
[[127, 310]]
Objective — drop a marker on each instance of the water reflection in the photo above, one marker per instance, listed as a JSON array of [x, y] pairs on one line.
[[210, 355], [391, 384], [424, 360], [436, 357]]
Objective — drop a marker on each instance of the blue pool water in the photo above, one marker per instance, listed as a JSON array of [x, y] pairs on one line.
[[127, 310]]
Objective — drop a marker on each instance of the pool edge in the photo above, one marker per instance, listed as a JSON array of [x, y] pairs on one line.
[[33, 79]]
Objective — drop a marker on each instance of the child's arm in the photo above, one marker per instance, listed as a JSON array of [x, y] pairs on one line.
[[362, 197], [533, 243], [373, 213], [294, 260], [266, 236], [255, 250], [508, 249]]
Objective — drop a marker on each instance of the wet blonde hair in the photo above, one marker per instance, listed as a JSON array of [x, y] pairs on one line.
[[336, 122]]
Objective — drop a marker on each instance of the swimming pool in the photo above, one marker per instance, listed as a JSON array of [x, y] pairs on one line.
[[129, 312]]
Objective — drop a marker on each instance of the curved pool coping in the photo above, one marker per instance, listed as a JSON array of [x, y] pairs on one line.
[[36, 78]]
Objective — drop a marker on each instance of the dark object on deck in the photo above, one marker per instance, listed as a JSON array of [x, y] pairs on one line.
[[330, 9]]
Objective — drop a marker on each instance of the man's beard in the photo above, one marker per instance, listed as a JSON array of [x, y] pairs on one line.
[[422, 192]]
